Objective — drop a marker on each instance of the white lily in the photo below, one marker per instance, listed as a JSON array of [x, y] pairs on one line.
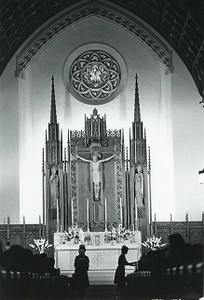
[[153, 243], [40, 244]]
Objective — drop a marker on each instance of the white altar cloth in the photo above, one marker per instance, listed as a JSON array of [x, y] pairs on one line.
[[103, 260]]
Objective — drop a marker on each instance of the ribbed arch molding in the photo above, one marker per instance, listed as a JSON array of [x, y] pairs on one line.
[[108, 12]]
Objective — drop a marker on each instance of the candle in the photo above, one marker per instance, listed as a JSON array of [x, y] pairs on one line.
[[87, 212], [72, 212], [105, 208], [57, 215], [121, 212], [135, 214]]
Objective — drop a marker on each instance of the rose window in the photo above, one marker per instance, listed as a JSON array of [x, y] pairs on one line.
[[95, 75]]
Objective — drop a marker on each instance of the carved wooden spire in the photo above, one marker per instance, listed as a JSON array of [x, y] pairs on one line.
[[53, 112], [137, 125], [45, 135], [61, 136], [65, 160], [127, 167], [149, 160], [138, 154], [43, 161], [137, 116], [53, 142], [123, 145], [68, 146]]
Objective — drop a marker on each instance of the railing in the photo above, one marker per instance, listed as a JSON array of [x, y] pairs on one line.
[[23, 234], [20, 234], [192, 231]]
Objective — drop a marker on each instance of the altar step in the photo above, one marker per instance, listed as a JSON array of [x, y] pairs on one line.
[[100, 278], [101, 292]]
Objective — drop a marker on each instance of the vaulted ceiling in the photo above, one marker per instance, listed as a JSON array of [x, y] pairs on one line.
[[179, 22]]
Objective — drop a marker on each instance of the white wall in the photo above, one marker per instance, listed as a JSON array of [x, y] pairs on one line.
[[170, 112], [9, 145], [188, 137]]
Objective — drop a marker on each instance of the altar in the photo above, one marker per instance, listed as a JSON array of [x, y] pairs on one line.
[[96, 194], [96, 184], [103, 256]]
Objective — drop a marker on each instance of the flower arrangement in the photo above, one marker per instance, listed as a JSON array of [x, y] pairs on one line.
[[153, 243], [76, 233], [40, 245], [70, 233], [122, 233], [119, 234], [87, 238], [113, 234], [73, 233]]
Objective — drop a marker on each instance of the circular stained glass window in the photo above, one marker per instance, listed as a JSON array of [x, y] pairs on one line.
[[95, 75]]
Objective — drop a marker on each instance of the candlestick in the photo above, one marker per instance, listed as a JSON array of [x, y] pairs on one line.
[[136, 215], [105, 210], [72, 212], [87, 214], [57, 215], [121, 212]]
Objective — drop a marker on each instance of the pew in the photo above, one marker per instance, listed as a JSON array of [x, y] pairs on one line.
[[177, 282], [26, 285]]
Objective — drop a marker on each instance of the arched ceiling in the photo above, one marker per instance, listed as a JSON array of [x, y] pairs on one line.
[[179, 22]]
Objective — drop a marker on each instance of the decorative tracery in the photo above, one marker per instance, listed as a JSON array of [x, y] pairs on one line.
[[95, 75]]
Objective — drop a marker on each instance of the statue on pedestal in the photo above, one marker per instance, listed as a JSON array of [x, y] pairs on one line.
[[54, 187], [95, 169], [139, 186]]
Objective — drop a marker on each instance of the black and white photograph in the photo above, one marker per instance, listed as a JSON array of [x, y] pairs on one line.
[[101, 149]]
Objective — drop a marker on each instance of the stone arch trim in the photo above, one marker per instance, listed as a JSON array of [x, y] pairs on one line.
[[120, 17]]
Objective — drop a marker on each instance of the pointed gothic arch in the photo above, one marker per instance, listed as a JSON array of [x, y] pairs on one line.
[[110, 13], [179, 22]]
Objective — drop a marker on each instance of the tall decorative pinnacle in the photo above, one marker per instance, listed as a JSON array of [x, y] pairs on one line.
[[53, 112], [43, 161], [137, 117]]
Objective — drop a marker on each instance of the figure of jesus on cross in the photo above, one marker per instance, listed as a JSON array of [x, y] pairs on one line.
[[95, 169]]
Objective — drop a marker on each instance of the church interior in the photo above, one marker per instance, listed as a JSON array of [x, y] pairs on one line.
[[101, 146]]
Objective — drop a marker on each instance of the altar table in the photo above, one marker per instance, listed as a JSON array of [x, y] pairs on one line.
[[103, 260]]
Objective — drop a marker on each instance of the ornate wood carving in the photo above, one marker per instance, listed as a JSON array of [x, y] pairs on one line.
[[3, 227], [97, 225], [141, 152], [118, 176], [182, 231], [13, 233], [3, 234], [163, 230], [141, 212], [22, 234], [77, 139], [195, 224], [74, 190], [195, 232], [95, 129]]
